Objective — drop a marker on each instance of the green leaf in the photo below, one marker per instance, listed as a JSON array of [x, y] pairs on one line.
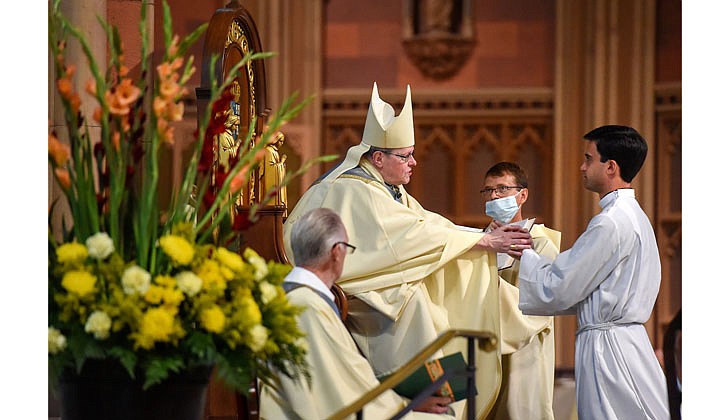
[[159, 368], [126, 357]]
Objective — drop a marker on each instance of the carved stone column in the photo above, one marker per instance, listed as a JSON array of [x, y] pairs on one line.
[[294, 30], [83, 14]]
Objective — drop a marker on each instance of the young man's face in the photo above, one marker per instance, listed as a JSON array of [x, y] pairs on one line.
[[492, 183], [593, 172], [395, 169]]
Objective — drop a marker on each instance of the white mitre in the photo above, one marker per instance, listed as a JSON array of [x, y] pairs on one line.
[[382, 129]]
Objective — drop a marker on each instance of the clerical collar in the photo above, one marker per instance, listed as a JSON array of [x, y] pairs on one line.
[[613, 195], [395, 191]]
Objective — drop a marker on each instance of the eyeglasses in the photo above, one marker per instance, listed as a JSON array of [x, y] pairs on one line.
[[349, 247], [501, 189], [405, 158]]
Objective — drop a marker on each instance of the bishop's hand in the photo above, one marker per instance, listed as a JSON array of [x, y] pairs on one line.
[[508, 239]]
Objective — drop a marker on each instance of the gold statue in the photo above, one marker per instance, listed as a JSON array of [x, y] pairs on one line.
[[273, 170]]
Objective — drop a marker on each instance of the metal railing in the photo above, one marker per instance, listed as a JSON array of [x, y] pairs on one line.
[[487, 341]]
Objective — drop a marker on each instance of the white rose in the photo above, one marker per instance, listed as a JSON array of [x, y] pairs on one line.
[[136, 280], [268, 292], [56, 341], [258, 263], [98, 324], [100, 245], [258, 337], [189, 283]]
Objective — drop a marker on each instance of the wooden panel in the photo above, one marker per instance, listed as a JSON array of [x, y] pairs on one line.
[[668, 217]]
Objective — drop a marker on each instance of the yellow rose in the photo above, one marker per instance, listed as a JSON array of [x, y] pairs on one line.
[[71, 252], [79, 282]]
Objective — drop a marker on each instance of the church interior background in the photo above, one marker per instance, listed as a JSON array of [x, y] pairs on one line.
[[492, 80]]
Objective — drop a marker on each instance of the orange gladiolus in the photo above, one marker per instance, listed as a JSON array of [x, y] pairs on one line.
[[159, 105], [169, 89], [91, 87], [64, 179], [166, 132], [127, 92], [59, 152], [97, 114], [65, 88]]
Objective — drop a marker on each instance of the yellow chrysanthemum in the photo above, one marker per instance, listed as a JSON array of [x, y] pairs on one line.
[[249, 309], [165, 281], [230, 259], [157, 325], [179, 249], [213, 319], [172, 296], [154, 294], [212, 278], [71, 252], [79, 282]]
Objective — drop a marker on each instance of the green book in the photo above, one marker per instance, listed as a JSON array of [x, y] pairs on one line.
[[456, 387]]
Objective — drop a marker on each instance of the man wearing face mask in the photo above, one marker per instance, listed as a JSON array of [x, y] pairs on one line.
[[527, 342]]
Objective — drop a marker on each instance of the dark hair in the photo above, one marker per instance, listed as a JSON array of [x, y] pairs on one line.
[[509, 168], [621, 144]]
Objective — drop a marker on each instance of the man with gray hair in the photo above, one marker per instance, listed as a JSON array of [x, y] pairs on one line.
[[339, 373]]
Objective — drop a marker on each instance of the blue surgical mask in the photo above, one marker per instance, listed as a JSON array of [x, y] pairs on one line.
[[502, 209]]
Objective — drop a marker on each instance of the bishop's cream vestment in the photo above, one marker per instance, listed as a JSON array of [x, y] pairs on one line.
[[610, 278], [413, 275]]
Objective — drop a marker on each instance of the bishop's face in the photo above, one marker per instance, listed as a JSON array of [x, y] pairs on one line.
[[395, 165]]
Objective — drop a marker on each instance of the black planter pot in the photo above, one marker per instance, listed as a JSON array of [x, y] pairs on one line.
[[104, 391]]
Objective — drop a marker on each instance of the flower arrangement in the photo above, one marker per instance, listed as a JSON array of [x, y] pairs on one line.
[[158, 291]]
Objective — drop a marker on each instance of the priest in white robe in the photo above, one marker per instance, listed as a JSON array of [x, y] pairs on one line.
[[340, 375], [416, 274], [610, 279]]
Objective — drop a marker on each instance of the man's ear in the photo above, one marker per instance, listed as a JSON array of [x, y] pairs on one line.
[[377, 157], [612, 168], [524, 196]]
